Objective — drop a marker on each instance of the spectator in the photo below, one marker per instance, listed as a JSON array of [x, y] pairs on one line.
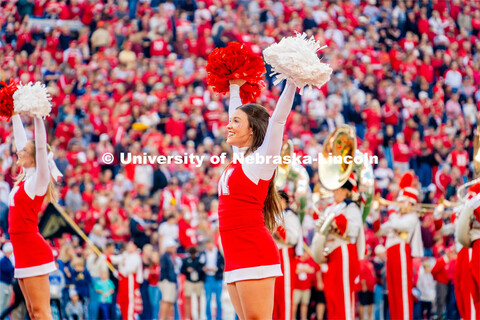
[[153, 281], [367, 287], [75, 308], [73, 198], [105, 289], [305, 273], [192, 268], [168, 232], [101, 37], [6, 276], [57, 284], [213, 269], [169, 266], [426, 285], [82, 282]]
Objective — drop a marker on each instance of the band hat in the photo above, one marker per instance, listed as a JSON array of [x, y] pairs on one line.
[[408, 192]]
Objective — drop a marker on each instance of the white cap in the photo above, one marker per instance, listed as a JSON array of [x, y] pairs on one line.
[[72, 292], [7, 247]]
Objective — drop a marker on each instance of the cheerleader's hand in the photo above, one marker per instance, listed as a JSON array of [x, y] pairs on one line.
[[238, 82]]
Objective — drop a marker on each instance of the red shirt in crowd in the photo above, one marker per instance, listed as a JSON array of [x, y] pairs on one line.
[[306, 270], [401, 152], [459, 159], [367, 274], [186, 234]]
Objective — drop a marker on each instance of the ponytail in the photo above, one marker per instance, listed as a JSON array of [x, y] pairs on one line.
[[272, 206]]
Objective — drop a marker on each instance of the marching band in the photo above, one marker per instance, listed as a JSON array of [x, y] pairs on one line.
[[339, 243]]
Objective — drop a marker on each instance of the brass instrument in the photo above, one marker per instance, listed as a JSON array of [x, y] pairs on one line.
[[298, 176], [333, 174], [465, 217], [421, 208], [340, 143]]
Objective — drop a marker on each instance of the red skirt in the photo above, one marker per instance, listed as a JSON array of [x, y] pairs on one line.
[[33, 256], [250, 253]]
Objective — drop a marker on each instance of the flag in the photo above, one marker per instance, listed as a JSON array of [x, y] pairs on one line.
[[53, 224]]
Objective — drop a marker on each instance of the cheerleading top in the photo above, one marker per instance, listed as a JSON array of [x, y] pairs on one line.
[[33, 255], [249, 249]]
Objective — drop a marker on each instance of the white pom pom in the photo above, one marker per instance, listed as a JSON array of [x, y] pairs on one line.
[[33, 99], [295, 58]]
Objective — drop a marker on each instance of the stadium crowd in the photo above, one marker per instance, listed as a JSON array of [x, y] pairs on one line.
[[132, 79]]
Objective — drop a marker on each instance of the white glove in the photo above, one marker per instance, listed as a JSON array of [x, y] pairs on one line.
[[474, 203], [374, 215], [438, 213]]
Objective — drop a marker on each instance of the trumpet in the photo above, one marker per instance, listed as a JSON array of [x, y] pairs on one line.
[[422, 208]]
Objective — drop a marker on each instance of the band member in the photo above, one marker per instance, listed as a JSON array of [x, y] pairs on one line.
[[343, 247], [467, 232], [130, 277], [33, 255], [249, 204], [404, 241], [440, 270], [288, 237]]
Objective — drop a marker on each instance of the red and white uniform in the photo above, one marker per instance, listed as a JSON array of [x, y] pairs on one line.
[[464, 288], [469, 258], [404, 241], [33, 255], [130, 277], [290, 231], [250, 251], [346, 246]]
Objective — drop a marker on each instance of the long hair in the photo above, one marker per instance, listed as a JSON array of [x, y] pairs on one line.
[[258, 118], [50, 195]]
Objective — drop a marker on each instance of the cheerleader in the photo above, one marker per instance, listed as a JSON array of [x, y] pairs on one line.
[[344, 247], [404, 241], [248, 204], [33, 256]]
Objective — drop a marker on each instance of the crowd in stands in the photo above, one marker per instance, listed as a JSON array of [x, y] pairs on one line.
[[132, 79]]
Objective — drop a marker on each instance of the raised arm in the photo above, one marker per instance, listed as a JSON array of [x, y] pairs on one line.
[[272, 143], [39, 184], [19, 132], [235, 102]]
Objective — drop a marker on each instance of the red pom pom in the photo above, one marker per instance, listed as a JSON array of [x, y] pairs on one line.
[[236, 61], [406, 181], [6, 99]]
